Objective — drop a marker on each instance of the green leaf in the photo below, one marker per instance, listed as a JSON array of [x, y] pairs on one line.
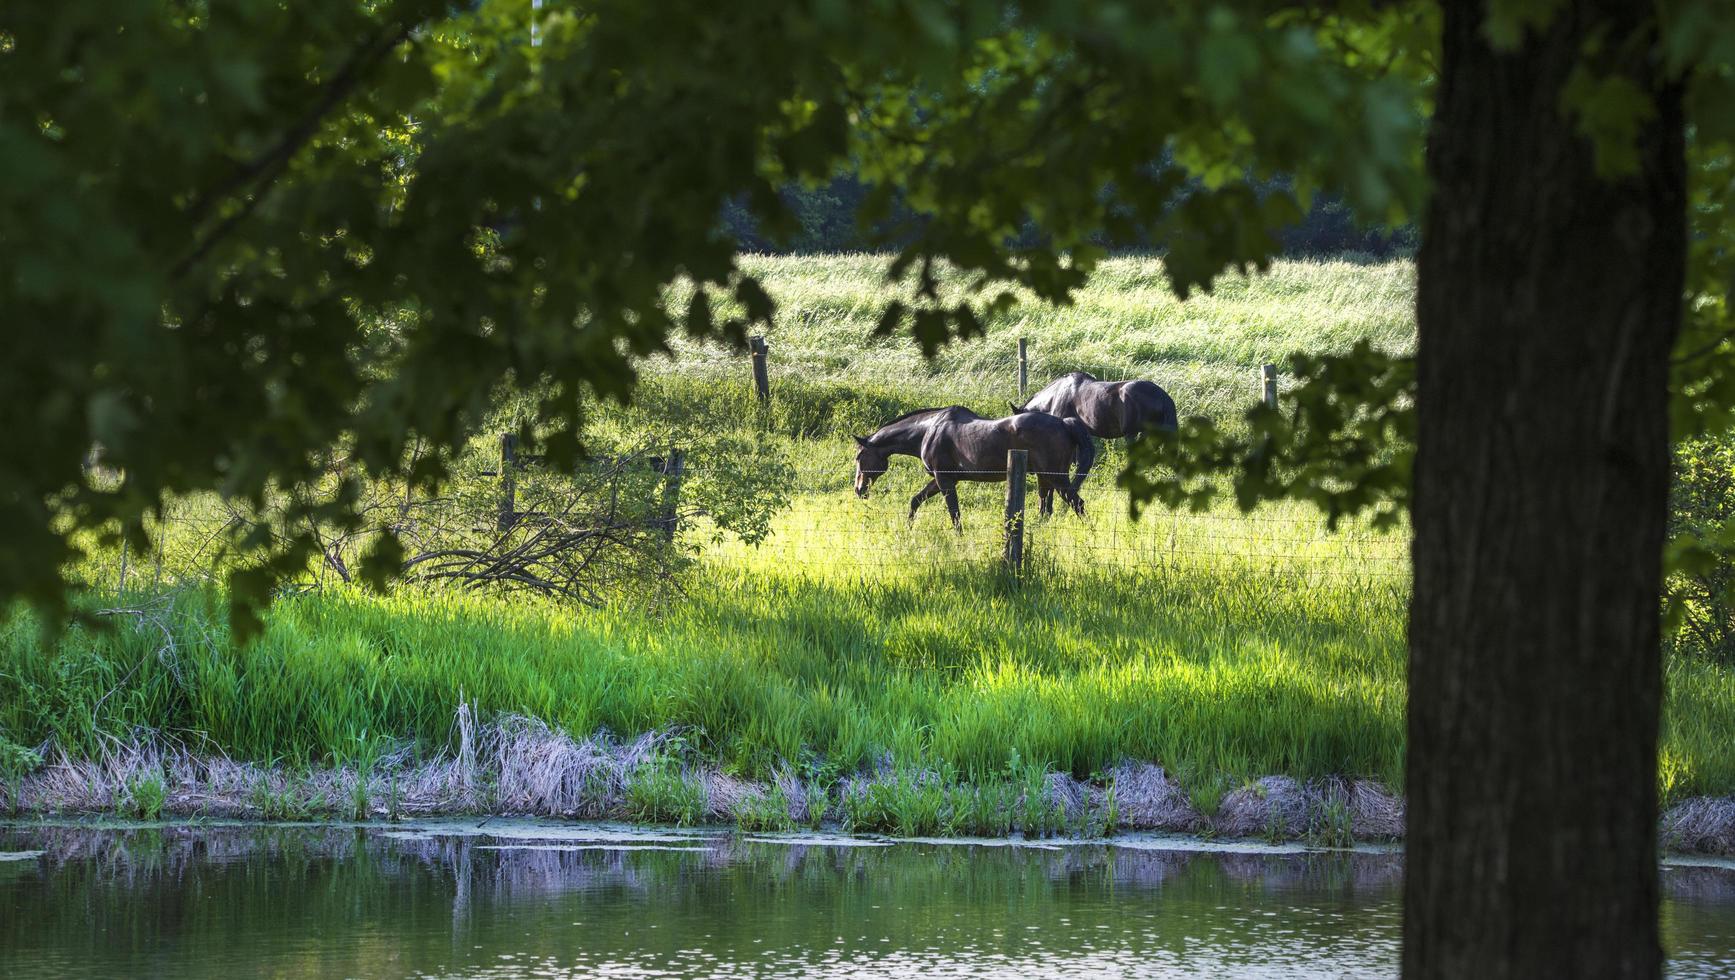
[[760, 307], [1611, 110], [382, 561]]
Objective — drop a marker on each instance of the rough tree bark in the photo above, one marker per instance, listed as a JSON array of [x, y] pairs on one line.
[[1549, 300]]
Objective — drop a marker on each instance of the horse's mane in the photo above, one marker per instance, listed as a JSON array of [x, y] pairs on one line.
[[924, 411]]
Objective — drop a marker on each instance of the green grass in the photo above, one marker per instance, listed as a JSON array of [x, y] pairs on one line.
[[830, 376], [1220, 646], [934, 658], [1125, 323]]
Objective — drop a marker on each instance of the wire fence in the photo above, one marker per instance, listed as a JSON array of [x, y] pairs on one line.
[[816, 527], [822, 527], [827, 530]]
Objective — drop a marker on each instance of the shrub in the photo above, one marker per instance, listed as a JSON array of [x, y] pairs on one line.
[[16, 761], [660, 791], [145, 795], [1700, 592]]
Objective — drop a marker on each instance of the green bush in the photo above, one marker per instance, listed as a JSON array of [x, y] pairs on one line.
[[765, 813], [145, 795], [1700, 592], [16, 762], [662, 791]]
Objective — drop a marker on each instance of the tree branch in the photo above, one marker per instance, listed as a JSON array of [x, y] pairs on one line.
[[265, 169]]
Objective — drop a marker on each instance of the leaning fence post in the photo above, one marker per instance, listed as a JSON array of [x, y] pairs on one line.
[[1017, 465], [1023, 369], [157, 570], [121, 588], [1268, 374], [673, 468], [761, 374], [508, 480]]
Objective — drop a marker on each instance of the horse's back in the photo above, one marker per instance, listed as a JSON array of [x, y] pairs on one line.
[[1060, 396], [1098, 405], [965, 446], [1047, 438]]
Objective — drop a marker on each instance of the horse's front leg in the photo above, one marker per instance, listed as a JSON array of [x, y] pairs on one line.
[[932, 488]]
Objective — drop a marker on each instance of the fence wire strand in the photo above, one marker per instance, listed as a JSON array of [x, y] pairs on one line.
[[826, 530]]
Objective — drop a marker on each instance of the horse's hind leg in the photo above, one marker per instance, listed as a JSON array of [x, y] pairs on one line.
[[951, 492], [1073, 500], [932, 488], [1045, 492]]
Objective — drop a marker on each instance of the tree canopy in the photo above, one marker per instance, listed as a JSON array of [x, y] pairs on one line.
[[238, 233]]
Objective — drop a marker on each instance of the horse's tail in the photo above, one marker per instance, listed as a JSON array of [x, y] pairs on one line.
[[1086, 444], [1167, 418]]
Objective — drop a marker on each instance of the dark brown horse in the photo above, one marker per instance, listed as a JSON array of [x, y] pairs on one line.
[[1110, 409], [955, 444]]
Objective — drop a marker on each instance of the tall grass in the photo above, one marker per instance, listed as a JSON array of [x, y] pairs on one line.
[[962, 667], [1212, 672]]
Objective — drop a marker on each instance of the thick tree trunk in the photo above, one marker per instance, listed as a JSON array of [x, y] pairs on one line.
[[1549, 299]]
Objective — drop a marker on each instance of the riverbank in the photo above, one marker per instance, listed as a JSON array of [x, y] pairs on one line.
[[517, 767], [1220, 677], [949, 702]]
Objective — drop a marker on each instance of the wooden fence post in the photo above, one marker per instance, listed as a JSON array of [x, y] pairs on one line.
[[508, 480], [1023, 369], [673, 468], [761, 372], [1017, 468], [1268, 375]]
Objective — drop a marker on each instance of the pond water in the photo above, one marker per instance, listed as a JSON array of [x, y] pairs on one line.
[[520, 899]]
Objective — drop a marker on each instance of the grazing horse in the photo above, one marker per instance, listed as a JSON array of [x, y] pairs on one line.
[[1110, 409], [957, 444]]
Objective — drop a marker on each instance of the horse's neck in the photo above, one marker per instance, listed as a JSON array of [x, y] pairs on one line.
[[905, 441], [902, 437]]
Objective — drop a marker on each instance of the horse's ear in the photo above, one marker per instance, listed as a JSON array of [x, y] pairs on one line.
[[862, 441], [1016, 408]]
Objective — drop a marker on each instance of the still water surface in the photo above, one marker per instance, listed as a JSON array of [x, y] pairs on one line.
[[518, 899]]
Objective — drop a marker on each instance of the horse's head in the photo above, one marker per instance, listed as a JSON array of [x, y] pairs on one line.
[[870, 463]]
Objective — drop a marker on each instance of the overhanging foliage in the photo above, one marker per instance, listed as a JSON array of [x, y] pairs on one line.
[[239, 233]]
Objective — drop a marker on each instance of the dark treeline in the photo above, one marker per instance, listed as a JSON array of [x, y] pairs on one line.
[[828, 219]]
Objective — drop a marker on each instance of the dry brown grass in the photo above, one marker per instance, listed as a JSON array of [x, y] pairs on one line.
[[522, 767]]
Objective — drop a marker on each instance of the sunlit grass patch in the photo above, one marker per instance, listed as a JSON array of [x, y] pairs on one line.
[[1125, 323]]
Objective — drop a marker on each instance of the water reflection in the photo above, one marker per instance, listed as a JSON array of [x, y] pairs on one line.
[[536, 901]]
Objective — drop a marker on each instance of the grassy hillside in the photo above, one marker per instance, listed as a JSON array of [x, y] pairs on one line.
[[1125, 324], [830, 373]]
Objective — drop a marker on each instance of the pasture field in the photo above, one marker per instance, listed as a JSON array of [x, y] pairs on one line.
[[1222, 647], [831, 376]]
